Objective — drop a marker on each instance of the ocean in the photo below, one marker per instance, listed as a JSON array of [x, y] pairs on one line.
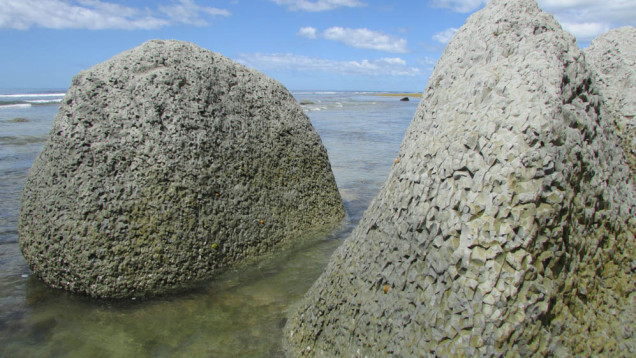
[[241, 312]]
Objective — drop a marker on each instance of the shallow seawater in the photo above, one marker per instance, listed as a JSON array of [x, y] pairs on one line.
[[240, 313]]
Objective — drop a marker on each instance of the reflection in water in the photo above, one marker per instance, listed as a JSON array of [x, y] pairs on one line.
[[240, 313]]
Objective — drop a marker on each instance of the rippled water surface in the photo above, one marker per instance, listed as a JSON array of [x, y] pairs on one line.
[[239, 314]]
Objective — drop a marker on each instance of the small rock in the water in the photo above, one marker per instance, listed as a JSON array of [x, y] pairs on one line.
[[404, 99], [19, 120], [306, 102]]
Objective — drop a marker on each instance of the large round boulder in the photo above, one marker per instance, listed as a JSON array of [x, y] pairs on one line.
[[165, 164], [506, 226]]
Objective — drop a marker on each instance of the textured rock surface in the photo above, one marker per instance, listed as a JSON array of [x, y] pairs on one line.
[[613, 56], [506, 226], [166, 163]]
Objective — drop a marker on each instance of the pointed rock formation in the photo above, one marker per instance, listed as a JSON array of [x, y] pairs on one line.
[[507, 225], [165, 164], [613, 57]]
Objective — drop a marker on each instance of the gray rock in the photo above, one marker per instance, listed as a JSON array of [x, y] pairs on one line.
[[165, 164], [19, 120], [613, 56], [506, 226]]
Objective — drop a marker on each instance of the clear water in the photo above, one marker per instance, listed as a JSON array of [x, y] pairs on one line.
[[239, 314]]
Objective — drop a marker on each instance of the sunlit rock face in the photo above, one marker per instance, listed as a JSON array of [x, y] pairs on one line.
[[165, 164], [505, 227], [613, 57]]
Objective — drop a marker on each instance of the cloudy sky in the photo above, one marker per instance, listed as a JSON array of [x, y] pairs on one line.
[[306, 44]]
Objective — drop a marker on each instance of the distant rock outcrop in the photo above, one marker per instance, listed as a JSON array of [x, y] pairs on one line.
[[507, 225], [166, 163], [19, 120], [613, 56]]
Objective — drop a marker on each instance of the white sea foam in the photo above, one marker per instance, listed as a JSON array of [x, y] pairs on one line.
[[31, 95], [19, 105], [44, 101]]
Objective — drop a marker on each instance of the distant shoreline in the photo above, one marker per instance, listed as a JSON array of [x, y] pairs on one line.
[[419, 95]]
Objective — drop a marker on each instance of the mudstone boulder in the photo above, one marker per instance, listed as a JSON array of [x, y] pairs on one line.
[[506, 226], [166, 164]]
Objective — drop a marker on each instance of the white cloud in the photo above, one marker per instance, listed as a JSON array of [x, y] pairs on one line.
[[428, 62], [365, 38], [586, 31], [384, 66], [564, 4], [308, 32], [587, 19], [188, 12], [623, 11], [463, 6], [359, 38], [318, 5], [394, 61], [98, 15], [444, 36]]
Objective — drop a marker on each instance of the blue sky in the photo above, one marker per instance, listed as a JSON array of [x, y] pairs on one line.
[[370, 45]]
